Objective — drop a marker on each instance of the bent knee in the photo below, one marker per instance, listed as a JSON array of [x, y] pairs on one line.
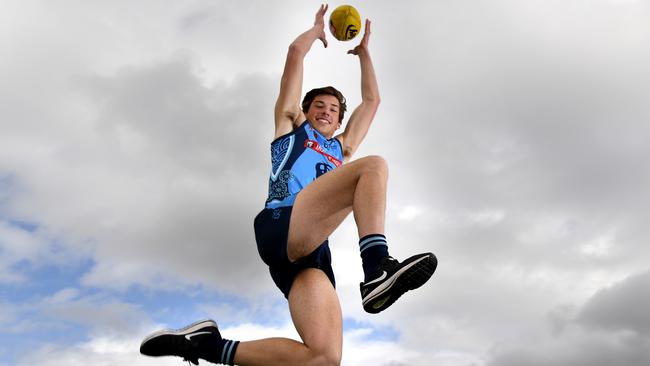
[[327, 359], [376, 163]]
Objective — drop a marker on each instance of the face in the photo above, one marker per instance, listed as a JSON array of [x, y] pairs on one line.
[[323, 114]]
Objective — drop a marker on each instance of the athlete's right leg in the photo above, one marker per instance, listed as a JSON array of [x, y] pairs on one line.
[[316, 314], [358, 187]]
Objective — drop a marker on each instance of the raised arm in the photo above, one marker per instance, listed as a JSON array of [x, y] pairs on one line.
[[362, 117], [287, 108]]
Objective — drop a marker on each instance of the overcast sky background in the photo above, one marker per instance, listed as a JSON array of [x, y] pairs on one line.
[[134, 155]]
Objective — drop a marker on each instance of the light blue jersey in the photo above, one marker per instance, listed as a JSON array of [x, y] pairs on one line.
[[297, 159]]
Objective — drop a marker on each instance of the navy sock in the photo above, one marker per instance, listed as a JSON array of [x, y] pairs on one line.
[[373, 248], [219, 351], [228, 352]]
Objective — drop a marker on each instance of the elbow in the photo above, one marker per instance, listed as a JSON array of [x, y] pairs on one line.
[[373, 100], [296, 50], [293, 48], [371, 96]]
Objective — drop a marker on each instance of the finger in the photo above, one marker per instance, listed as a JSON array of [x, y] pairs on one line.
[[366, 33]]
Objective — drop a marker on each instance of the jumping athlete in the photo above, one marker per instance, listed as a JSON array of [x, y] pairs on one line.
[[313, 187]]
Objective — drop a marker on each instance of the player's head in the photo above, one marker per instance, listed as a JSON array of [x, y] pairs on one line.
[[313, 94]]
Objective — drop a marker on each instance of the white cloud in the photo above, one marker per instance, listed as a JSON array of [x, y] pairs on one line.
[[105, 351]]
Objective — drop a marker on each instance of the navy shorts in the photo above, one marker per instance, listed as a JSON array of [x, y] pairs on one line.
[[271, 233]]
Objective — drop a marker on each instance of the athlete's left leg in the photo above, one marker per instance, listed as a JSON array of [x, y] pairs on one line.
[[316, 314]]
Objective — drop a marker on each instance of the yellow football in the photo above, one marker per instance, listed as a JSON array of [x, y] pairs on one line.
[[345, 22]]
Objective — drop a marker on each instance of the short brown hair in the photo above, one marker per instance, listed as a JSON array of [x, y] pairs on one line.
[[328, 90]]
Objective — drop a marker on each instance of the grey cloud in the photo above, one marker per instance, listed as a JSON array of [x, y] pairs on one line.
[[104, 315], [621, 307], [581, 350], [542, 122], [538, 114], [167, 105], [209, 147], [611, 328], [170, 174]]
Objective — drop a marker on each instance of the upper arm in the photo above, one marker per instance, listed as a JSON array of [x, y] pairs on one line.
[[357, 127], [287, 106]]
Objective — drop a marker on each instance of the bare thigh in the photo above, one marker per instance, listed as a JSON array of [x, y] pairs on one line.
[[316, 314], [321, 206]]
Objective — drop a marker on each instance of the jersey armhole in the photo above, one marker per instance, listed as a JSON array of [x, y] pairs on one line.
[[338, 140], [293, 132]]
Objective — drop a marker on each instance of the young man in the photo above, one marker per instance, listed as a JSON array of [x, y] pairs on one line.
[[311, 191]]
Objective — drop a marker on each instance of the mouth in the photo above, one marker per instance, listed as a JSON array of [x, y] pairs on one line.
[[324, 121]]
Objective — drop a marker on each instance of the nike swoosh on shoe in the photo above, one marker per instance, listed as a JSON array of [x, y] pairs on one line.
[[378, 279], [189, 336]]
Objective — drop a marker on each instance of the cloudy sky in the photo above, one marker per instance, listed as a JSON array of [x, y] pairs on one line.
[[134, 155]]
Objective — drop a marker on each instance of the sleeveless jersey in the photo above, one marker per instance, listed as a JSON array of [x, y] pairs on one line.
[[297, 159]]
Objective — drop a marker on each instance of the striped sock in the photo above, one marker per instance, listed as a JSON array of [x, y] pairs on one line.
[[217, 350], [373, 248], [228, 352]]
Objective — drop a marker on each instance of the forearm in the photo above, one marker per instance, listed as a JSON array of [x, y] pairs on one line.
[[369, 86]]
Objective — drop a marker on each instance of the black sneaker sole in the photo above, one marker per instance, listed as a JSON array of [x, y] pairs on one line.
[[147, 351], [412, 278]]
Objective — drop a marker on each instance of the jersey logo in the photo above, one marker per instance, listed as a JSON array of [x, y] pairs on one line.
[[322, 168], [314, 145]]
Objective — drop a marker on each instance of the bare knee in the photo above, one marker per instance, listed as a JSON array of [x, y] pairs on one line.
[[375, 164], [326, 358]]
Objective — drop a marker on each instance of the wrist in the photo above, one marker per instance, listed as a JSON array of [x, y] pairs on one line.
[[315, 31], [363, 53]]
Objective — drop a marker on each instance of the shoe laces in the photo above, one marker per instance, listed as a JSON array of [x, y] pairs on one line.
[[187, 350], [191, 360], [192, 354], [389, 262]]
